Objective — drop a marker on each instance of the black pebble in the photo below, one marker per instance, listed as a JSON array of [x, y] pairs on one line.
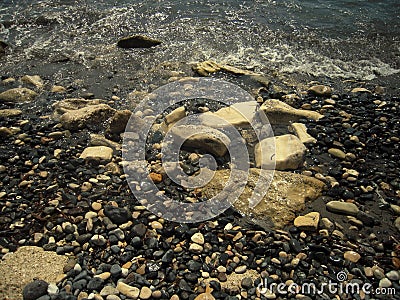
[[35, 289]]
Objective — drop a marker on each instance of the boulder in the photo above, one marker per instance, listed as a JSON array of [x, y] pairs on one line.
[[286, 194], [137, 41], [101, 153], [89, 116], [17, 95], [201, 137], [286, 150], [279, 112]]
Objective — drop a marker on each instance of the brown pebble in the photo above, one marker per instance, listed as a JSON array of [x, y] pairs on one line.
[[157, 178], [222, 277], [96, 206]]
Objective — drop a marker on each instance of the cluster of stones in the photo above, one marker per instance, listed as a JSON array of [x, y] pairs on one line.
[[110, 247]]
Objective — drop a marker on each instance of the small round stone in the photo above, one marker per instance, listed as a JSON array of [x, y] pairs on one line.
[[246, 283], [145, 293], [156, 294], [96, 206], [240, 269], [352, 256], [198, 238]]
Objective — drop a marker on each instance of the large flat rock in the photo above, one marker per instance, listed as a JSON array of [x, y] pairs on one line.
[[286, 195]]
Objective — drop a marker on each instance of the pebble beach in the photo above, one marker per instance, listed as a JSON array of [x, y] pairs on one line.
[[89, 208]]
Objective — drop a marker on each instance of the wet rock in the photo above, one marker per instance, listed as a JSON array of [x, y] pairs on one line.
[[340, 207], [100, 153], [33, 80], [286, 150], [137, 41], [286, 194], [9, 113], [320, 90], [307, 222], [201, 137], [279, 112], [17, 95], [90, 116], [35, 289]]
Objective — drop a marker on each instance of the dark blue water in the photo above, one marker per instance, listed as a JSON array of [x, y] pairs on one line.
[[346, 39]]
